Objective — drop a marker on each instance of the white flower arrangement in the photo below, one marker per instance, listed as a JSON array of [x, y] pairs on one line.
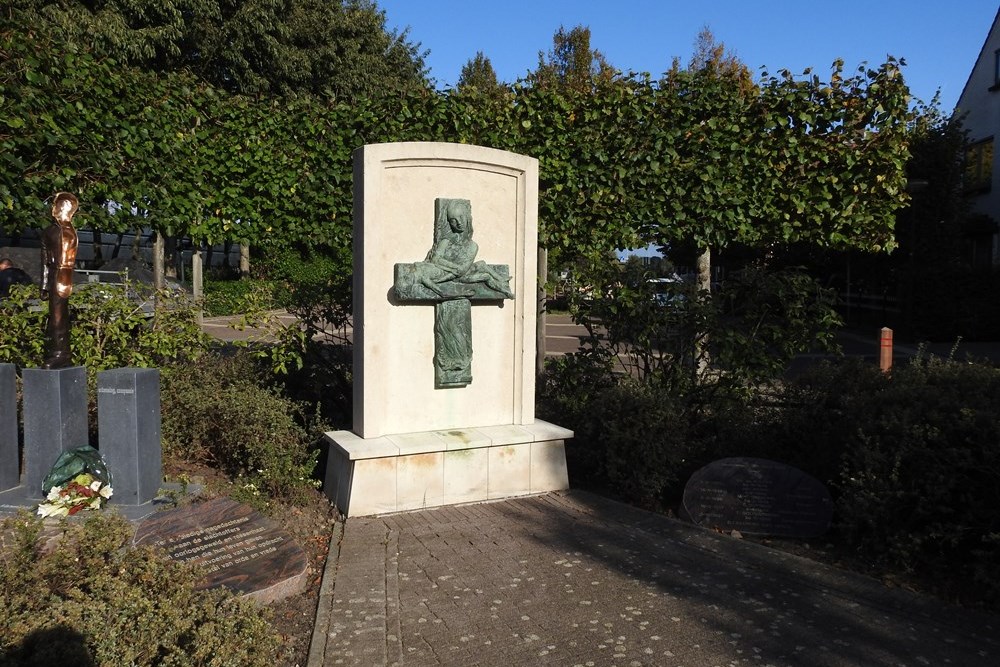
[[83, 492]]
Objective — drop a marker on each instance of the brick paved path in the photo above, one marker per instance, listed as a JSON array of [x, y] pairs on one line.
[[574, 579]]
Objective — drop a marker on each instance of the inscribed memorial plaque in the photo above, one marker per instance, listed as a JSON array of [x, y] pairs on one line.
[[238, 547], [757, 496]]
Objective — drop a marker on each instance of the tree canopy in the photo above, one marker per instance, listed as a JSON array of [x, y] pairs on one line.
[[572, 64], [339, 48], [478, 75]]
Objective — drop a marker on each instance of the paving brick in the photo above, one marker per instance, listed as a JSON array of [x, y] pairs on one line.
[[571, 578]]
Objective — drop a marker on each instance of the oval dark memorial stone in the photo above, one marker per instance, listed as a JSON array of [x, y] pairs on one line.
[[758, 497], [239, 548]]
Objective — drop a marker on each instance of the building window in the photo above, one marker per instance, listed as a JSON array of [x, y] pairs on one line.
[[996, 70], [979, 166]]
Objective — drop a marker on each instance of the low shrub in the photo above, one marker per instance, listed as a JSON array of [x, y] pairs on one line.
[[109, 328], [92, 600], [221, 411], [631, 438], [809, 422], [919, 488], [912, 459]]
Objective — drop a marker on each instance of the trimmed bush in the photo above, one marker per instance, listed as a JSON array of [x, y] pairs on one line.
[[220, 411], [91, 600], [920, 483], [231, 297], [912, 459]]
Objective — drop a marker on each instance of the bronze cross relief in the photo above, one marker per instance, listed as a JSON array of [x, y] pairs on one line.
[[452, 279]]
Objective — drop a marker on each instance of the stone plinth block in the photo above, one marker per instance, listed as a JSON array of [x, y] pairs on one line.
[[128, 427], [410, 471], [10, 466], [55, 419]]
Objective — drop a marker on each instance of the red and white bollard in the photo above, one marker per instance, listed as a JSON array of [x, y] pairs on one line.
[[885, 350]]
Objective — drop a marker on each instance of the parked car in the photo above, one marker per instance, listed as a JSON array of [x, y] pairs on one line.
[[667, 290]]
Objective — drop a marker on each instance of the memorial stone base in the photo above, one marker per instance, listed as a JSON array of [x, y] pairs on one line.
[[128, 428], [55, 419], [408, 471], [10, 464]]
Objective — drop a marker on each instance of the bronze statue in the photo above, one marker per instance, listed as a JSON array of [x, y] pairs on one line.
[[453, 280], [59, 242]]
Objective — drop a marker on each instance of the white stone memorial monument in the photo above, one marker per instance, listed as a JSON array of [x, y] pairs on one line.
[[445, 304]]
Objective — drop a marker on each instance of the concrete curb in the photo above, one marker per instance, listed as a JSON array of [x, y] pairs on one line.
[[324, 606]]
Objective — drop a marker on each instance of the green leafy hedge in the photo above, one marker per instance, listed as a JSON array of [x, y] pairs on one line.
[[918, 485], [110, 328]]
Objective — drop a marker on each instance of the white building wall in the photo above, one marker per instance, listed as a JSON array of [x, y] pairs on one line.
[[979, 105]]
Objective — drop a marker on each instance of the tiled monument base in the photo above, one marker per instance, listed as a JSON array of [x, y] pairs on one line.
[[410, 471]]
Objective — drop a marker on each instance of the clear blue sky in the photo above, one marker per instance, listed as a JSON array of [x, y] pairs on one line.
[[939, 39]]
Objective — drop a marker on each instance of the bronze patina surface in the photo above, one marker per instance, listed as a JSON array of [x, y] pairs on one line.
[[452, 279], [59, 243]]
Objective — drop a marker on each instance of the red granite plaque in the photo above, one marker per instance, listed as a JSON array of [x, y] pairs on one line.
[[238, 547]]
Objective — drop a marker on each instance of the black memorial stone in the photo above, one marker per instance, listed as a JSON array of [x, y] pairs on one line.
[[237, 546], [10, 466], [128, 427], [55, 419], [758, 497]]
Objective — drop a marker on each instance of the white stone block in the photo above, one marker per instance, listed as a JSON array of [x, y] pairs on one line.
[[355, 447], [420, 481], [548, 466], [465, 438], [373, 487], [510, 471], [466, 475], [506, 434], [417, 443], [543, 430]]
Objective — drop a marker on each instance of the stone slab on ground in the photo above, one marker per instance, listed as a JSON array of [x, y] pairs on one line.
[[758, 497], [569, 578], [241, 549]]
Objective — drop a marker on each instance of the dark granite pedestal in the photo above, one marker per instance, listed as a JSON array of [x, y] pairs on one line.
[[10, 463], [55, 420], [128, 427]]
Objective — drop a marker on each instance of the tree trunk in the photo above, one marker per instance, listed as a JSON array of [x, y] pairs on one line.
[[98, 249], [244, 260], [197, 288], [170, 260], [118, 246], [158, 252], [704, 268]]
